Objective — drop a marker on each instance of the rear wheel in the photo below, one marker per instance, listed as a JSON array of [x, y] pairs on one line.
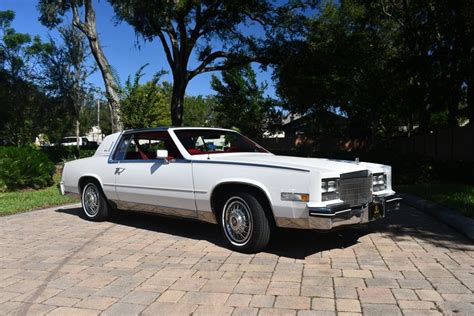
[[244, 223], [94, 203]]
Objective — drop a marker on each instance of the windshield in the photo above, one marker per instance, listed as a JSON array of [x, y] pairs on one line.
[[208, 141]]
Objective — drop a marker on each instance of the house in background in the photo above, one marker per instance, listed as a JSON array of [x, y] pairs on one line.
[[324, 123], [324, 127], [95, 135], [312, 124]]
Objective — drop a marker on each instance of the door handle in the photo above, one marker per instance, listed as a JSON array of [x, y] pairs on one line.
[[119, 170]]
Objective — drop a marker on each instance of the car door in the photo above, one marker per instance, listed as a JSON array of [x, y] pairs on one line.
[[145, 183]]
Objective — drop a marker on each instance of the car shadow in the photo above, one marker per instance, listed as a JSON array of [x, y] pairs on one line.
[[299, 244]]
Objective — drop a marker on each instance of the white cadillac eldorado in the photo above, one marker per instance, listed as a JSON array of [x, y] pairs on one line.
[[220, 176]]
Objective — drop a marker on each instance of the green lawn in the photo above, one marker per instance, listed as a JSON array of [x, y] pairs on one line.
[[459, 197], [27, 200]]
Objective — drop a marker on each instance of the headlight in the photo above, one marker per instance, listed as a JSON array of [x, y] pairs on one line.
[[379, 182], [329, 189]]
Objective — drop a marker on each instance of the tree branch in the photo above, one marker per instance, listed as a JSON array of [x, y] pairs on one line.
[[233, 60], [201, 17], [76, 20], [214, 68], [209, 59], [256, 19], [183, 36], [90, 19], [385, 11], [197, 26], [183, 32], [173, 37], [222, 67], [166, 47]]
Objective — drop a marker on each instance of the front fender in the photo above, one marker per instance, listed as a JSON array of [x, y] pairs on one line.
[[244, 181]]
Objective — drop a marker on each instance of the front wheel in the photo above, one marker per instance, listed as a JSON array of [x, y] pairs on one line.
[[244, 223], [94, 203]]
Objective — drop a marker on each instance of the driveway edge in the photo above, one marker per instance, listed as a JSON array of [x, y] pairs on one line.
[[49, 208], [461, 223]]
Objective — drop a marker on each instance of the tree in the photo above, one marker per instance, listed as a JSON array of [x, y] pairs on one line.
[[185, 26], [76, 57], [23, 104], [199, 110], [465, 25], [145, 105], [52, 14], [89, 116], [65, 73], [344, 65], [438, 38], [383, 64], [240, 101]]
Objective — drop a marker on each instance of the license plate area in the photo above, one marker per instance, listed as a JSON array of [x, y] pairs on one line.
[[376, 210]]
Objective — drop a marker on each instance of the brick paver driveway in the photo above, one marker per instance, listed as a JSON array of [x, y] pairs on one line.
[[53, 261]]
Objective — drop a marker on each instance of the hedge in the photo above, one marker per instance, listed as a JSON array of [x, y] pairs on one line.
[[406, 169], [59, 154]]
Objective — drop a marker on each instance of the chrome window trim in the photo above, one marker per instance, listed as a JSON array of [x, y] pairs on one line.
[[184, 160], [114, 149], [153, 161], [138, 131]]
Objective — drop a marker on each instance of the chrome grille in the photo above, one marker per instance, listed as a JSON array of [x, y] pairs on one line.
[[355, 191]]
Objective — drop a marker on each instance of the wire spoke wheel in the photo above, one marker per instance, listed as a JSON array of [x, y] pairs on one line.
[[91, 200], [238, 221]]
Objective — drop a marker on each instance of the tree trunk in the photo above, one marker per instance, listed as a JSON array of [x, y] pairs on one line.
[[180, 83], [425, 112], [453, 107], [78, 135], [111, 89], [470, 101], [409, 127]]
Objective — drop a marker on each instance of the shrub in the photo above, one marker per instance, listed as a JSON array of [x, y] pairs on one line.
[[24, 167], [65, 153], [86, 153]]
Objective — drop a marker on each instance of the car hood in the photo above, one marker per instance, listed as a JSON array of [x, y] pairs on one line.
[[321, 165]]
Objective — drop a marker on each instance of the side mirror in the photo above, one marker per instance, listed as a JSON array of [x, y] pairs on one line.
[[162, 154]]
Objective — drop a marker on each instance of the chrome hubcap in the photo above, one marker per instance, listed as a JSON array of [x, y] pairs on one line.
[[238, 222], [90, 200]]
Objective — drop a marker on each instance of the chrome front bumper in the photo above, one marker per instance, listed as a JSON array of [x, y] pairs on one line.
[[337, 215]]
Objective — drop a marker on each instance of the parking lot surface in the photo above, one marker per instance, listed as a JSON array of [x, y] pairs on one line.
[[55, 262]]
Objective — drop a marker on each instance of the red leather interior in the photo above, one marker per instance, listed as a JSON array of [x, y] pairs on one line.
[[194, 151], [232, 149], [140, 154], [143, 155]]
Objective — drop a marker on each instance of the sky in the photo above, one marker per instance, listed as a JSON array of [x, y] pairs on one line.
[[124, 51]]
